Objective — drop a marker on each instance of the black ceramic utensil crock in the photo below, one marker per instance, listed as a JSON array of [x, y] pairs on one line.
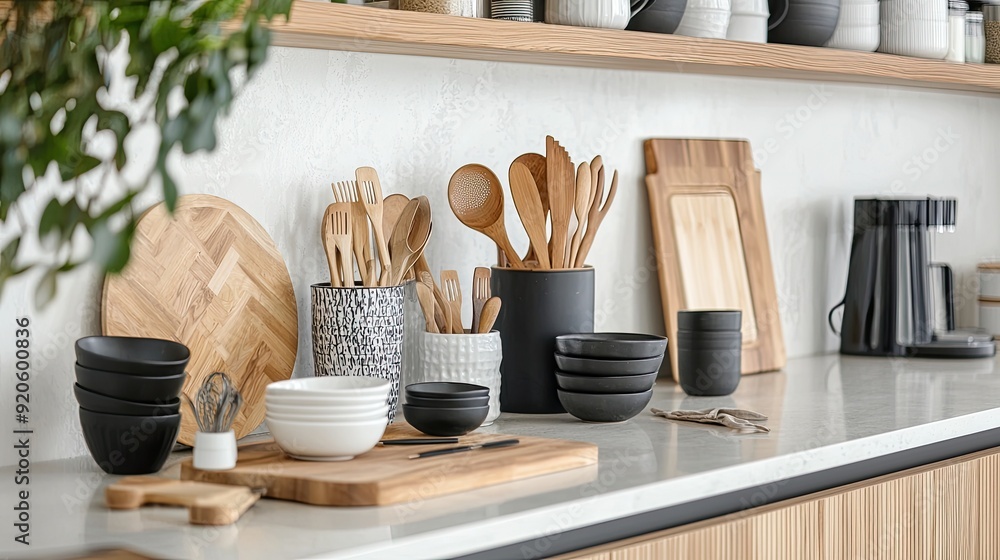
[[538, 306]]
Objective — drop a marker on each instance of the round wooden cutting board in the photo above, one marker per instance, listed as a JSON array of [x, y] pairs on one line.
[[211, 278]]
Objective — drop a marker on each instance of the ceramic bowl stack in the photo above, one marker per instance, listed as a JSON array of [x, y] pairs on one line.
[[607, 377], [128, 390], [446, 409], [857, 26], [914, 28], [327, 418], [749, 21]]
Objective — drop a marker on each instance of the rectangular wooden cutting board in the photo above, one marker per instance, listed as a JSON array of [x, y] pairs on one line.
[[385, 475]]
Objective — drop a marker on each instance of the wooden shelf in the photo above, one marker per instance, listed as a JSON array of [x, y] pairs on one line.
[[357, 28]]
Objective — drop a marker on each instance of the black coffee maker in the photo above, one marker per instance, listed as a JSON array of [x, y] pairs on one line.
[[898, 302]]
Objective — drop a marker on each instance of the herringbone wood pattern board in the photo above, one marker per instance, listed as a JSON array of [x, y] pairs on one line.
[[211, 278]]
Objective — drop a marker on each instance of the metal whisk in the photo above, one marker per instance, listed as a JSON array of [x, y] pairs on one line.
[[216, 404]]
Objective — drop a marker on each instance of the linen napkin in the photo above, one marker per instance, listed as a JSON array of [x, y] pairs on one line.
[[735, 418]]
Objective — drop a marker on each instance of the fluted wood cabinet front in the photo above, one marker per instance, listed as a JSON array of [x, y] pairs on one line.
[[945, 510]]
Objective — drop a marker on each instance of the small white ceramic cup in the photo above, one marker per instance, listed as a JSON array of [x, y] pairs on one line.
[[214, 451]]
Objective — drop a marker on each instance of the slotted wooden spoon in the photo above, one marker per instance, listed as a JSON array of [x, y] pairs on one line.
[[476, 197]]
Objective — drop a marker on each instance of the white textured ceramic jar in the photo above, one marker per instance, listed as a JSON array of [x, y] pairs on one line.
[[917, 28], [705, 18], [857, 27], [464, 358], [748, 22], [610, 14]]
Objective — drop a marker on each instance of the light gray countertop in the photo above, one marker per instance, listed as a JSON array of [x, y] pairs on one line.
[[825, 412]]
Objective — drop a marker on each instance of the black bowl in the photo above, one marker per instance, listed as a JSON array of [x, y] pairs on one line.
[[110, 405], [611, 346], [593, 366], [470, 402], [605, 385], [604, 408], [129, 444], [134, 356], [150, 390], [715, 320], [445, 422], [446, 390]]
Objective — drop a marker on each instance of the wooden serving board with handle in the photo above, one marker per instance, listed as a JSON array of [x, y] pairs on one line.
[[208, 504], [209, 276], [385, 475]]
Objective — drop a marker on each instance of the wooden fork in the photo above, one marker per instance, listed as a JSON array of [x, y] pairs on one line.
[[370, 193], [347, 191], [481, 292], [340, 234], [453, 293]]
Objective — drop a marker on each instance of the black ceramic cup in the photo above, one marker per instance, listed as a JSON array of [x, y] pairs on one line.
[[708, 359], [538, 306]]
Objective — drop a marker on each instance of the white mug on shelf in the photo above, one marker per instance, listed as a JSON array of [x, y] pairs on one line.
[[610, 14]]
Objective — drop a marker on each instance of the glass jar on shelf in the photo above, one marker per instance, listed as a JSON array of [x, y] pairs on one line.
[[975, 38], [467, 8], [991, 24], [956, 30]]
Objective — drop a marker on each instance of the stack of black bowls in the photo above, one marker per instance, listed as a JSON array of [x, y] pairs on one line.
[[445, 408], [128, 390], [607, 377]]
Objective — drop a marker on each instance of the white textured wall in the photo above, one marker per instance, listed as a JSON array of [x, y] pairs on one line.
[[314, 116]]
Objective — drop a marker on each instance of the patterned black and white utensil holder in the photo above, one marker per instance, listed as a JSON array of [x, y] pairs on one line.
[[513, 10], [359, 331]]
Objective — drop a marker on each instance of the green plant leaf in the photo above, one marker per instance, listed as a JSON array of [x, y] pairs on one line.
[[112, 249], [52, 218], [45, 291]]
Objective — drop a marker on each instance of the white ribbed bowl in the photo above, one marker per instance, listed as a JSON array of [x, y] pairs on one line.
[[864, 38], [906, 10], [705, 18]]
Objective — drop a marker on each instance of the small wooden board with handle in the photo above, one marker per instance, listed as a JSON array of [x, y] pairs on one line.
[[385, 475], [208, 504]]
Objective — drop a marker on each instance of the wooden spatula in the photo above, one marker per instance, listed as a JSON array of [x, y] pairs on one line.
[[370, 193], [208, 504], [536, 165], [489, 317], [561, 200], [481, 291], [595, 218], [580, 208], [529, 208], [426, 297], [440, 317], [452, 289]]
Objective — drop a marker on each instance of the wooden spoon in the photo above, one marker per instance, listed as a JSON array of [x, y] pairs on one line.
[[420, 234], [476, 197], [392, 208], [529, 207], [595, 218], [426, 298], [580, 209], [490, 312]]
